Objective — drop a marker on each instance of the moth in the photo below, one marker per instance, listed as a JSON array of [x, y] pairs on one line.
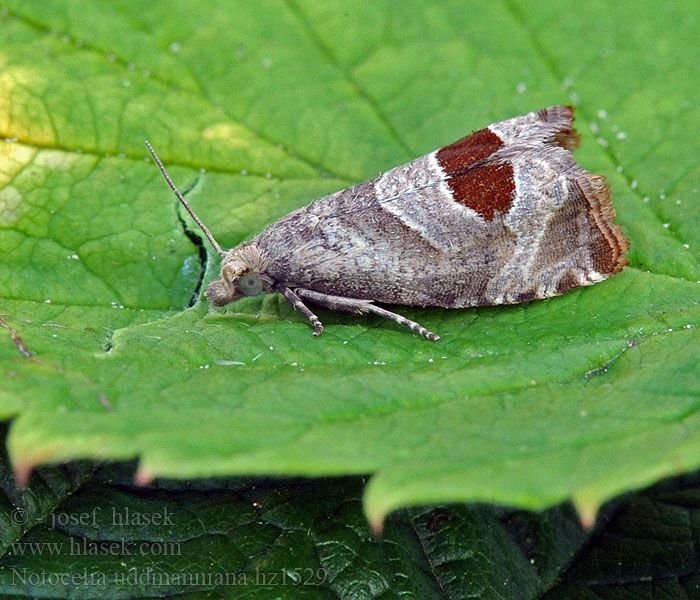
[[502, 216]]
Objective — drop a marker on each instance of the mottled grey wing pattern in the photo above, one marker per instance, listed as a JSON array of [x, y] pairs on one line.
[[504, 215], [501, 216]]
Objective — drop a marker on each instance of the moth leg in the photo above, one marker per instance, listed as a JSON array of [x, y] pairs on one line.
[[357, 306], [392, 316], [351, 305], [297, 303]]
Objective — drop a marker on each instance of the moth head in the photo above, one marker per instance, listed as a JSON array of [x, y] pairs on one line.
[[241, 275], [241, 268]]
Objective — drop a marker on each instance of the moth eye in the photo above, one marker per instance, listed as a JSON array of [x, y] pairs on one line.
[[250, 284]]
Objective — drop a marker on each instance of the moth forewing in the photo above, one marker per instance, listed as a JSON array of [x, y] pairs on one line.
[[448, 229]]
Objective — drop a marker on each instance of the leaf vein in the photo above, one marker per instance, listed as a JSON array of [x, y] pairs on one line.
[[351, 81]]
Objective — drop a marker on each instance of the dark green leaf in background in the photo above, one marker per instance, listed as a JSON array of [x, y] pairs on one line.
[[258, 108], [310, 539]]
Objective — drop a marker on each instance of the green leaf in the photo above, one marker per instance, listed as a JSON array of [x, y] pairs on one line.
[[259, 108], [105, 538]]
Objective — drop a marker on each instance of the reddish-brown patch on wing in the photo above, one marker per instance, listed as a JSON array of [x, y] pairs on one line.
[[485, 188], [469, 150]]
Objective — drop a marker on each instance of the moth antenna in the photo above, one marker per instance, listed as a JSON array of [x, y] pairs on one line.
[[184, 202]]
